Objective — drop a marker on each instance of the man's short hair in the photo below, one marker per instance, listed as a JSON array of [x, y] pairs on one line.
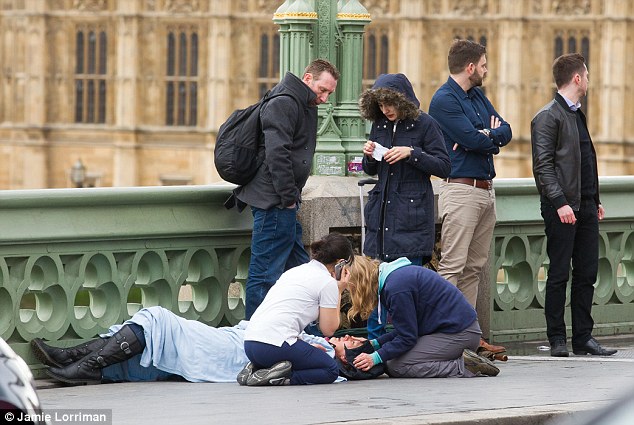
[[462, 53], [565, 67], [318, 66]]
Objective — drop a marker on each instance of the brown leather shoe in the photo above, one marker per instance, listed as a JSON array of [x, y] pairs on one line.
[[495, 349]]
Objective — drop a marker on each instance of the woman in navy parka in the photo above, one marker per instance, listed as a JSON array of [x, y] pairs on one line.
[[400, 209]]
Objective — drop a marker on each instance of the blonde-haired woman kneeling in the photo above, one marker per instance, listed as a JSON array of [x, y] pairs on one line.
[[435, 327]]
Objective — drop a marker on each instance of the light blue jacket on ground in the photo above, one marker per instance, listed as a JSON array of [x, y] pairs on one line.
[[188, 348]]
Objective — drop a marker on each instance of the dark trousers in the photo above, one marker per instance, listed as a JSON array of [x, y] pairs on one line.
[[311, 365], [579, 244]]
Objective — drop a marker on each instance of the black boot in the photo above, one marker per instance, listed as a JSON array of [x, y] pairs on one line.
[[118, 348], [60, 357]]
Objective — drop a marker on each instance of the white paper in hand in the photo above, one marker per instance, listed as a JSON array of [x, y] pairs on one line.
[[379, 151]]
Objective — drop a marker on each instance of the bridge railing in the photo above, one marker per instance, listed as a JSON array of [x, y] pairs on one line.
[[519, 263], [75, 261]]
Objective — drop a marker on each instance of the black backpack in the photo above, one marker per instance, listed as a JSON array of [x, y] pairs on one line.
[[239, 152]]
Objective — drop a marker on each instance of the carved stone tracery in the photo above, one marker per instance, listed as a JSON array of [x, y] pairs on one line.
[[377, 7], [90, 5], [182, 6], [469, 7], [571, 7]]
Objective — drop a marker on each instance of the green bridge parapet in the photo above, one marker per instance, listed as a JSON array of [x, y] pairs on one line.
[[75, 261], [519, 264]]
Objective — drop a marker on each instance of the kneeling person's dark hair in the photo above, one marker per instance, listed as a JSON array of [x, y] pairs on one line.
[[332, 247]]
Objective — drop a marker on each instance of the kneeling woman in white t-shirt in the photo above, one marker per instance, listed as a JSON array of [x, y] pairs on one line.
[[301, 295]]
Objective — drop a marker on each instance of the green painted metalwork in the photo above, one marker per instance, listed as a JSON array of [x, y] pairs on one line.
[[352, 19], [333, 30], [73, 262], [519, 263]]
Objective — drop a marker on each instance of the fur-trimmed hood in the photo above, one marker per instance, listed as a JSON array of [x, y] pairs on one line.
[[389, 89]]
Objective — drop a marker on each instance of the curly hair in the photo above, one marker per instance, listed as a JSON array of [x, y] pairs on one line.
[[370, 100], [363, 286]]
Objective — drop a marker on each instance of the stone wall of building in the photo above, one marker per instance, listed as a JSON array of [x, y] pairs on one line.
[[40, 136]]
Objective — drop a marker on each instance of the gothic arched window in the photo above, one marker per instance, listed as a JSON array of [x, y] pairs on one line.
[[269, 61], [375, 55], [181, 75], [91, 66]]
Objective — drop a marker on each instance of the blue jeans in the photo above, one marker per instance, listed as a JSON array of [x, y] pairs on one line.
[[132, 371], [310, 364], [276, 246]]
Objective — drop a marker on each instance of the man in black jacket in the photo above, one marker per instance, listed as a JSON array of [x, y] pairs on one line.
[[565, 170], [289, 125]]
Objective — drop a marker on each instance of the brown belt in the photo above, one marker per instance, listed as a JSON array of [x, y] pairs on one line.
[[480, 184]]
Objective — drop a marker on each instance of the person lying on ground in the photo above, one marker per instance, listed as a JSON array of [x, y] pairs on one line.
[[159, 345]]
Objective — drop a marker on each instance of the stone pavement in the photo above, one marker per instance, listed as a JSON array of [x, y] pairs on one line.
[[530, 389]]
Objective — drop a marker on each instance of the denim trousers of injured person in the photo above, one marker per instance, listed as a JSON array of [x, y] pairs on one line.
[[276, 246]]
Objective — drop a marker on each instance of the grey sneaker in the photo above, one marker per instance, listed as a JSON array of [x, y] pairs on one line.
[[277, 374], [479, 365], [244, 374]]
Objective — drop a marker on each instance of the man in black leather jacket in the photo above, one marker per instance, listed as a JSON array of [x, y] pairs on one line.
[[565, 170]]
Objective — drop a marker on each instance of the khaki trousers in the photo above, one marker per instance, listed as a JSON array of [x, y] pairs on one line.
[[468, 220]]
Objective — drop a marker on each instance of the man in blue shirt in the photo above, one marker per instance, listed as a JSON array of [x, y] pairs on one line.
[[473, 132]]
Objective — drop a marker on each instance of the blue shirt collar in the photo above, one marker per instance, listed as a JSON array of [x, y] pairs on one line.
[[456, 87], [573, 106]]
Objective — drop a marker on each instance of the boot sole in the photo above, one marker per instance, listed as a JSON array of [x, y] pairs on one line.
[[475, 363], [586, 353], [43, 356], [71, 381]]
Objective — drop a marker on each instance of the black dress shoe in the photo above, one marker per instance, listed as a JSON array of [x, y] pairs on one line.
[[558, 348], [594, 348]]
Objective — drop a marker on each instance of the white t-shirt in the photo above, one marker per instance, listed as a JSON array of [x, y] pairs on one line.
[[292, 303]]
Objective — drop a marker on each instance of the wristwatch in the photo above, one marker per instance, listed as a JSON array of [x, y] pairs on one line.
[[486, 132]]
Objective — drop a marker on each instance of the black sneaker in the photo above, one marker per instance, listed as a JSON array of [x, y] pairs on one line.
[[244, 374], [277, 374], [478, 365]]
